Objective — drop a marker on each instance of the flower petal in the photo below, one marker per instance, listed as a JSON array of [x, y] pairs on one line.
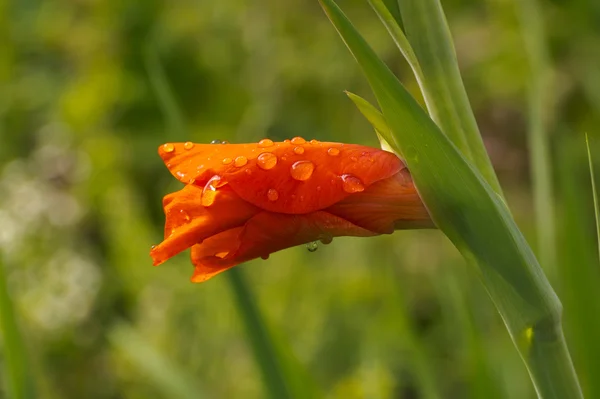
[[293, 177], [264, 234], [388, 205], [189, 222]]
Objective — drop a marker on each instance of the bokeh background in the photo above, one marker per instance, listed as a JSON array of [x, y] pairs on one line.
[[90, 88]]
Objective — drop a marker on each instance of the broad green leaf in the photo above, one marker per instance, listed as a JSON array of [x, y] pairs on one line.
[[474, 217], [427, 31]]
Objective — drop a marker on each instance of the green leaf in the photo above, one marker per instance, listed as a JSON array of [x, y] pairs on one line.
[[474, 217], [428, 33]]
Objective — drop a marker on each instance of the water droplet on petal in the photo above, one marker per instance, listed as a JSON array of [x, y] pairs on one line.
[[168, 147], [209, 192], [185, 215], [227, 161], [352, 184], [313, 141], [266, 161], [224, 142], [298, 140], [333, 152], [264, 257], [312, 246], [216, 142], [302, 170], [353, 159], [287, 141], [264, 143], [188, 145], [240, 161], [152, 247], [272, 195], [325, 239], [248, 171], [181, 174], [299, 150]]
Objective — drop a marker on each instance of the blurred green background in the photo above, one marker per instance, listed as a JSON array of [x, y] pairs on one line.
[[90, 88]]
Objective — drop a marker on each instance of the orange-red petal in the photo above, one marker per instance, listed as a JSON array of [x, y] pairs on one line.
[[264, 234], [284, 177], [189, 222], [388, 205]]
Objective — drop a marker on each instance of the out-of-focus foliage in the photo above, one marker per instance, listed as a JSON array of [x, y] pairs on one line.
[[394, 316]]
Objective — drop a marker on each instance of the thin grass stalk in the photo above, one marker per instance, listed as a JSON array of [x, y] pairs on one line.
[[165, 375], [475, 218], [540, 109], [579, 274], [262, 345], [18, 381], [594, 192]]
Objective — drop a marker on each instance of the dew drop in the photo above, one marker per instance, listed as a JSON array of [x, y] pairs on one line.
[[216, 142], [209, 192], [240, 161], [353, 159], [302, 170], [224, 142], [266, 161], [299, 150], [352, 184], [272, 194], [312, 246], [181, 175], [298, 140], [287, 141], [334, 152], [184, 215], [188, 145], [313, 141], [325, 239], [264, 143], [152, 247], [248, 171], [227, 161], [168, 147], [264, 257], [284, 158]]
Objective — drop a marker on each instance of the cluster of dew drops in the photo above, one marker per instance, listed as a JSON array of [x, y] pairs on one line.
[[300, 170]]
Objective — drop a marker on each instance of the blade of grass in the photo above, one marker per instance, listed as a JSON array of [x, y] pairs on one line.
[[266, 351], [283, 377], [579, 274], [594, 192], [475, 219], [429, 35], [19, 383], [164, 94], [163, 374], [540, 103]]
